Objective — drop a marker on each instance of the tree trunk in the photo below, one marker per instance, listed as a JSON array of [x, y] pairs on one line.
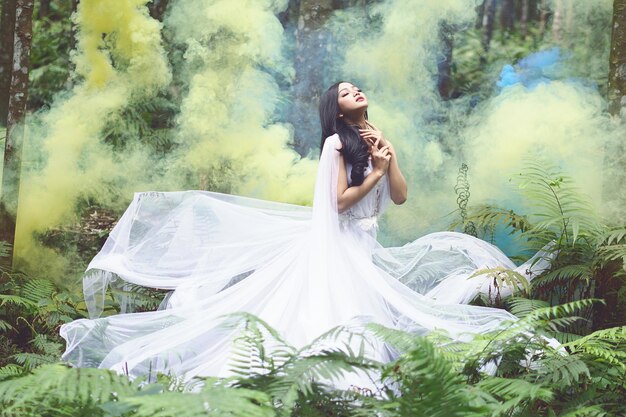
[[7, 28], [444, 67], [524, 19], [607, 282], [617, 60], [73, 39], [557, 21], [488, 20], [157, 9], [480, 13], [15, 122], [544, 11], [44, 9], [310, 57], [507, 16]]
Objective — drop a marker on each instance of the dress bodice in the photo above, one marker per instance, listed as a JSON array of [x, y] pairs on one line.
[[364, 214]]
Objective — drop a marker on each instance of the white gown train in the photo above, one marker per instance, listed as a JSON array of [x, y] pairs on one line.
[[302, 270]]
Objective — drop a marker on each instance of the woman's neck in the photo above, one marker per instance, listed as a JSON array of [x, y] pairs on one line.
[[360, 122]]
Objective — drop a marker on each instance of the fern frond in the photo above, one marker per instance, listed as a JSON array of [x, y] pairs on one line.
[[614, 236], [488, 215], [16, 300], [432, 386], [258, 347], [563, 210], [587, 411], [612, 252], [35, 290], [42, 343], [514, 393], [565, 273], [521, 307], [10, 371], [562, 371], [504, 277], [608, 345], [5, 249], [59, 384], [5, 326], [31, 360], [403, 341], [301, 374], [561, 309], [214, 399]]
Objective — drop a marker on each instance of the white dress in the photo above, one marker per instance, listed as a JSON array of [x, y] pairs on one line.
[[302, 270]]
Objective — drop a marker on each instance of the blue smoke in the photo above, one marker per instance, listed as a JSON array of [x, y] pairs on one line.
[[535, 69]]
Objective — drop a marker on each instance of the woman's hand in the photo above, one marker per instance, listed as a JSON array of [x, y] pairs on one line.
[[380, 157], [370, 136]]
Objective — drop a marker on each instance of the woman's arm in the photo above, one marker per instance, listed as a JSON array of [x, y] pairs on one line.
[[397, 183], [349, 196]]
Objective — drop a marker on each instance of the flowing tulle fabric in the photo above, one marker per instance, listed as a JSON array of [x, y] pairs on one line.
[[302, 270]]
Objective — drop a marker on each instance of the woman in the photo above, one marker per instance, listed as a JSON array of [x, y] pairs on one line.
[[301, 270]]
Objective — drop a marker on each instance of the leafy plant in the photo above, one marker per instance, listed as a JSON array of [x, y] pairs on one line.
[[31, 311]]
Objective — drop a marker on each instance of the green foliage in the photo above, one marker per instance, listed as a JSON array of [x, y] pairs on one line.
[[515, 394], [503, 277], [50, 54], [486, 216], [474, 71], [296, 379], [145, 120], [216, 399], [427, 383], [58, 388], [31, 311], [583, 251], [434, 376]]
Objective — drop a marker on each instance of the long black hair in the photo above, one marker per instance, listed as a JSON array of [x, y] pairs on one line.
[[354, 149]]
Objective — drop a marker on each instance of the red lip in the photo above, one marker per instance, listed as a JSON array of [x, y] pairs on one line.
[[360, 99]]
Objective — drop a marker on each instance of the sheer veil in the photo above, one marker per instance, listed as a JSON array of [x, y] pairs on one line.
[[302, 270]]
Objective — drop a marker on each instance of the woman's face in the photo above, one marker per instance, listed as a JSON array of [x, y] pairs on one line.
[[350, 99]]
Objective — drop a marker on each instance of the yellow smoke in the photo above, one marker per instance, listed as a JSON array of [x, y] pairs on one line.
[[230, 140], [76, 161], [560, 122], [226, 116]]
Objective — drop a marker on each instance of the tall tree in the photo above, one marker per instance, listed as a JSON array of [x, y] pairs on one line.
[[608, 284], [157, 9], [310, 57], [444, 65], [44, 9], [558, 20], [18, 93], [544, 12], [489, 17], [73, 39], [507, 16], [617, 60], [524, 19], [7, 27]]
